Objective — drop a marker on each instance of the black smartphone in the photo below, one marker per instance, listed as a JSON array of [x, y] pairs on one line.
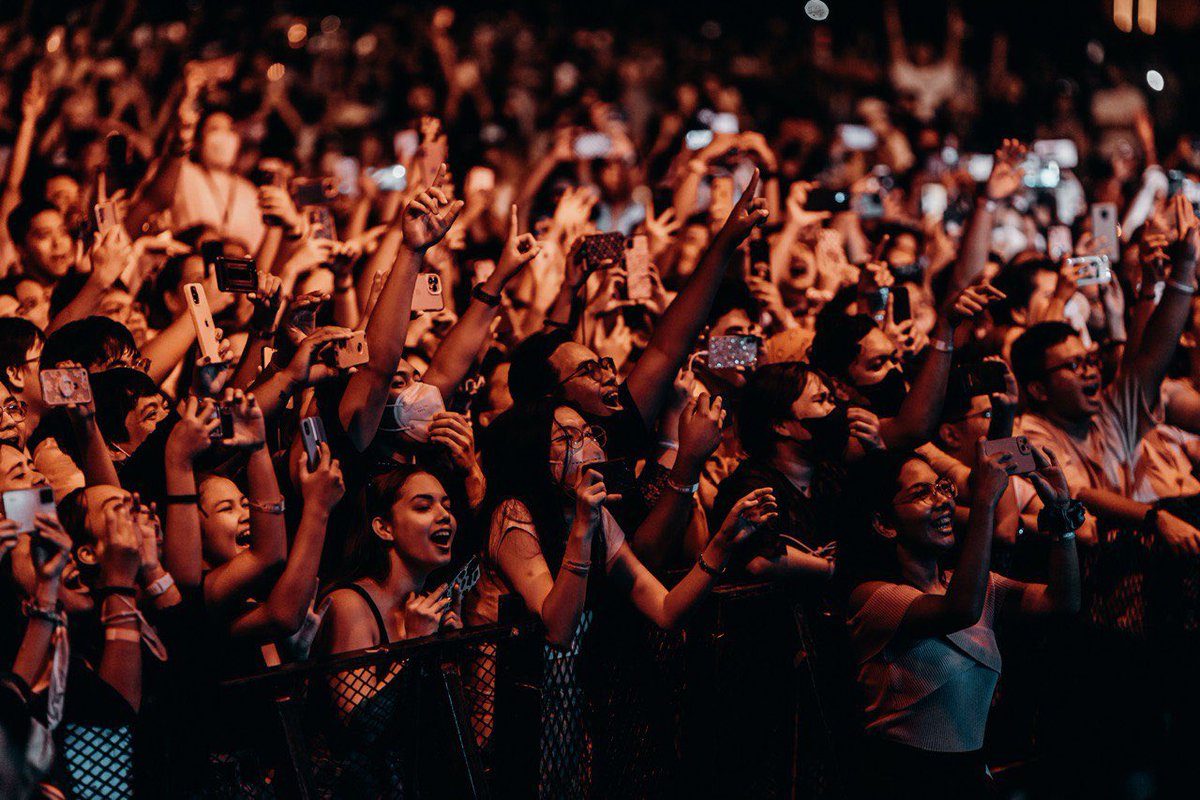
[[983, 377], [834, 200], [237, 275], [760, 258], [314, 191], [117, 171], [225, 429], [618, 475], [312, 430], [210, 251], [901, 305]]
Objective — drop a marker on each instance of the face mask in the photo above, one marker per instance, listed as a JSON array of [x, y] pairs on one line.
[[220, 149], [412, 411], [829, 433], [886, 396], [566, 470]]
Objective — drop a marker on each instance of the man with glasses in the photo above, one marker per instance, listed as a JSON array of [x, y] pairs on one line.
[[21, 345]]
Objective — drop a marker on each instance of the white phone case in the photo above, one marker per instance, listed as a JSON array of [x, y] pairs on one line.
[[202, 321], [428, 293]]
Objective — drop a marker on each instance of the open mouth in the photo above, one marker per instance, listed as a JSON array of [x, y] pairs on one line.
[[944, 522], [71, 579], [442, 537], [1091, 389], [611, 399], [242, 539]]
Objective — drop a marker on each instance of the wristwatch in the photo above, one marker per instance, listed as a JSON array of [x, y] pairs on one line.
[[1150, 521], [1059, 520]]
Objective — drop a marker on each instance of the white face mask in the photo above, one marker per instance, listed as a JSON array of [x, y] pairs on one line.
[[566, 470], [220, 149], [412, 411]]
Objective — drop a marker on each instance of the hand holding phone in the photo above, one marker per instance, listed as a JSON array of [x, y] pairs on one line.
[[202, 321], [236, 275], [64, 387], [728, 352], [427, 296], [1016, 446], [312, 431]]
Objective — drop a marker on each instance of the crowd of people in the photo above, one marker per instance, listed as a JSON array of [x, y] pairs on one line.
[[299, 315]]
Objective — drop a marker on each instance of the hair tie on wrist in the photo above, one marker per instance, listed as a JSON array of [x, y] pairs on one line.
[[484, 296]]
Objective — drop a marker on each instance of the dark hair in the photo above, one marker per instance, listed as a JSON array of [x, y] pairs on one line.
[[89, 342], [1029, 350], [531, 376], [767, 398], [72, 513], [117, 392], [871, 485], [366, 555], [66, 289], [17, 335], [20, 220], [838, 341], [1018, 282], [731, 296]]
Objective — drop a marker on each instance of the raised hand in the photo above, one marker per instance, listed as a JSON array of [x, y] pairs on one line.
[[323, 486], [265, 302], [970, 303], [429, 215], [660, 230], [9, 536], [864, 426], [797, 198], [58, 546], [989, 478], [120, 548], [249, 429], [192, 434], [519, 249], [700, 425], [1049, 480], [110, 254], [277, 204], [1007, 172], [454, 432], [748, 213]]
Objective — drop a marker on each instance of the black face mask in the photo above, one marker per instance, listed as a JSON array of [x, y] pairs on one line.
[[830, 433], [886, 396]]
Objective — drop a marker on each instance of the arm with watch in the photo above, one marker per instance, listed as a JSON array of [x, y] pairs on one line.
[[458, 351]]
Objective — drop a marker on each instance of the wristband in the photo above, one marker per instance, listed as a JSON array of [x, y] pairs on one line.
[[579, 568], [707, 568], [278, 507], [181, 499], [687, 491], [50, 614], [160, 586], [667, 444], [131, 635], [484, 296], [1065, 537], [1182, 288], [1062, 519], [942, 347]]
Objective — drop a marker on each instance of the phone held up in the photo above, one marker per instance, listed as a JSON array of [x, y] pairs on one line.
[[61, 387], [1016, 446]]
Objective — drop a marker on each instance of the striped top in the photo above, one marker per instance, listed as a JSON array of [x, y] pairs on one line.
[[934, 693]]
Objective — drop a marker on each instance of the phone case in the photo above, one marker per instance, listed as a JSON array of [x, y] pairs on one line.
[[312, 431], [202, 321], [62, 387], [1091, 270], [351, 352], [1104, 224], [236, 275], [20, 505], [638, 283], [428, 294], [106, 217], [1018, 447], [725, 352], [320, 222], [603, 250], [225, 429]]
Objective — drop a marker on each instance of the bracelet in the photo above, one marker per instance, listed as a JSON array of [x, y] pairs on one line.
[[484, 296], [708, 568], [1065, 537], [181, 499], [1182, 288], [553, 323], [131, 615], [52, 615], [580, 568], [278, 507], [942, 347], [160, 586], [687, 491], [667, 444], [130, 635]]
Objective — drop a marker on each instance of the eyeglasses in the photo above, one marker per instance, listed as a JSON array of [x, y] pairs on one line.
[[596, 369], [925, 491], [986, 414], [15, 409], [1076, 364], [574, 436]]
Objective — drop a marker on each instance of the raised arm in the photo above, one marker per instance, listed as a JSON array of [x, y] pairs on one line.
[[654, 373], [120, 559], [286, 607], [425, 220], [458, 351], [33, 103], [1006, 178]]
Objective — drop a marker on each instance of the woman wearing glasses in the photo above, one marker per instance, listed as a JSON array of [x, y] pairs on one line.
[[923, 635]]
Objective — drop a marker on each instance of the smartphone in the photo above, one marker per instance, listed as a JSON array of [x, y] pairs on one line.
[[225, 430], [869, 205], [267, 176], [1179, 183], [62, 387], [901, 305], [617, 474], [351, 352], [983, 377], [1104, 226], [236, 275], [725, 352], [117, 171], [877, 303], [724, 122], [698, 139], [639, 285], [1018, 448], [979, 166], [603, 250], [405, 144], [1058, 241], [857, 137], [313, 191], [345, 175], [312, 431], [466, 578], [1062, 152], [720, 206], [480, 179], [1091, 270], [1041, 173], [759, 252], [428, 294], [202, 321], [592, 145], [320, 223], [107, 216], [822, 199], [934, 200], [390, 179], [20, 505]]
